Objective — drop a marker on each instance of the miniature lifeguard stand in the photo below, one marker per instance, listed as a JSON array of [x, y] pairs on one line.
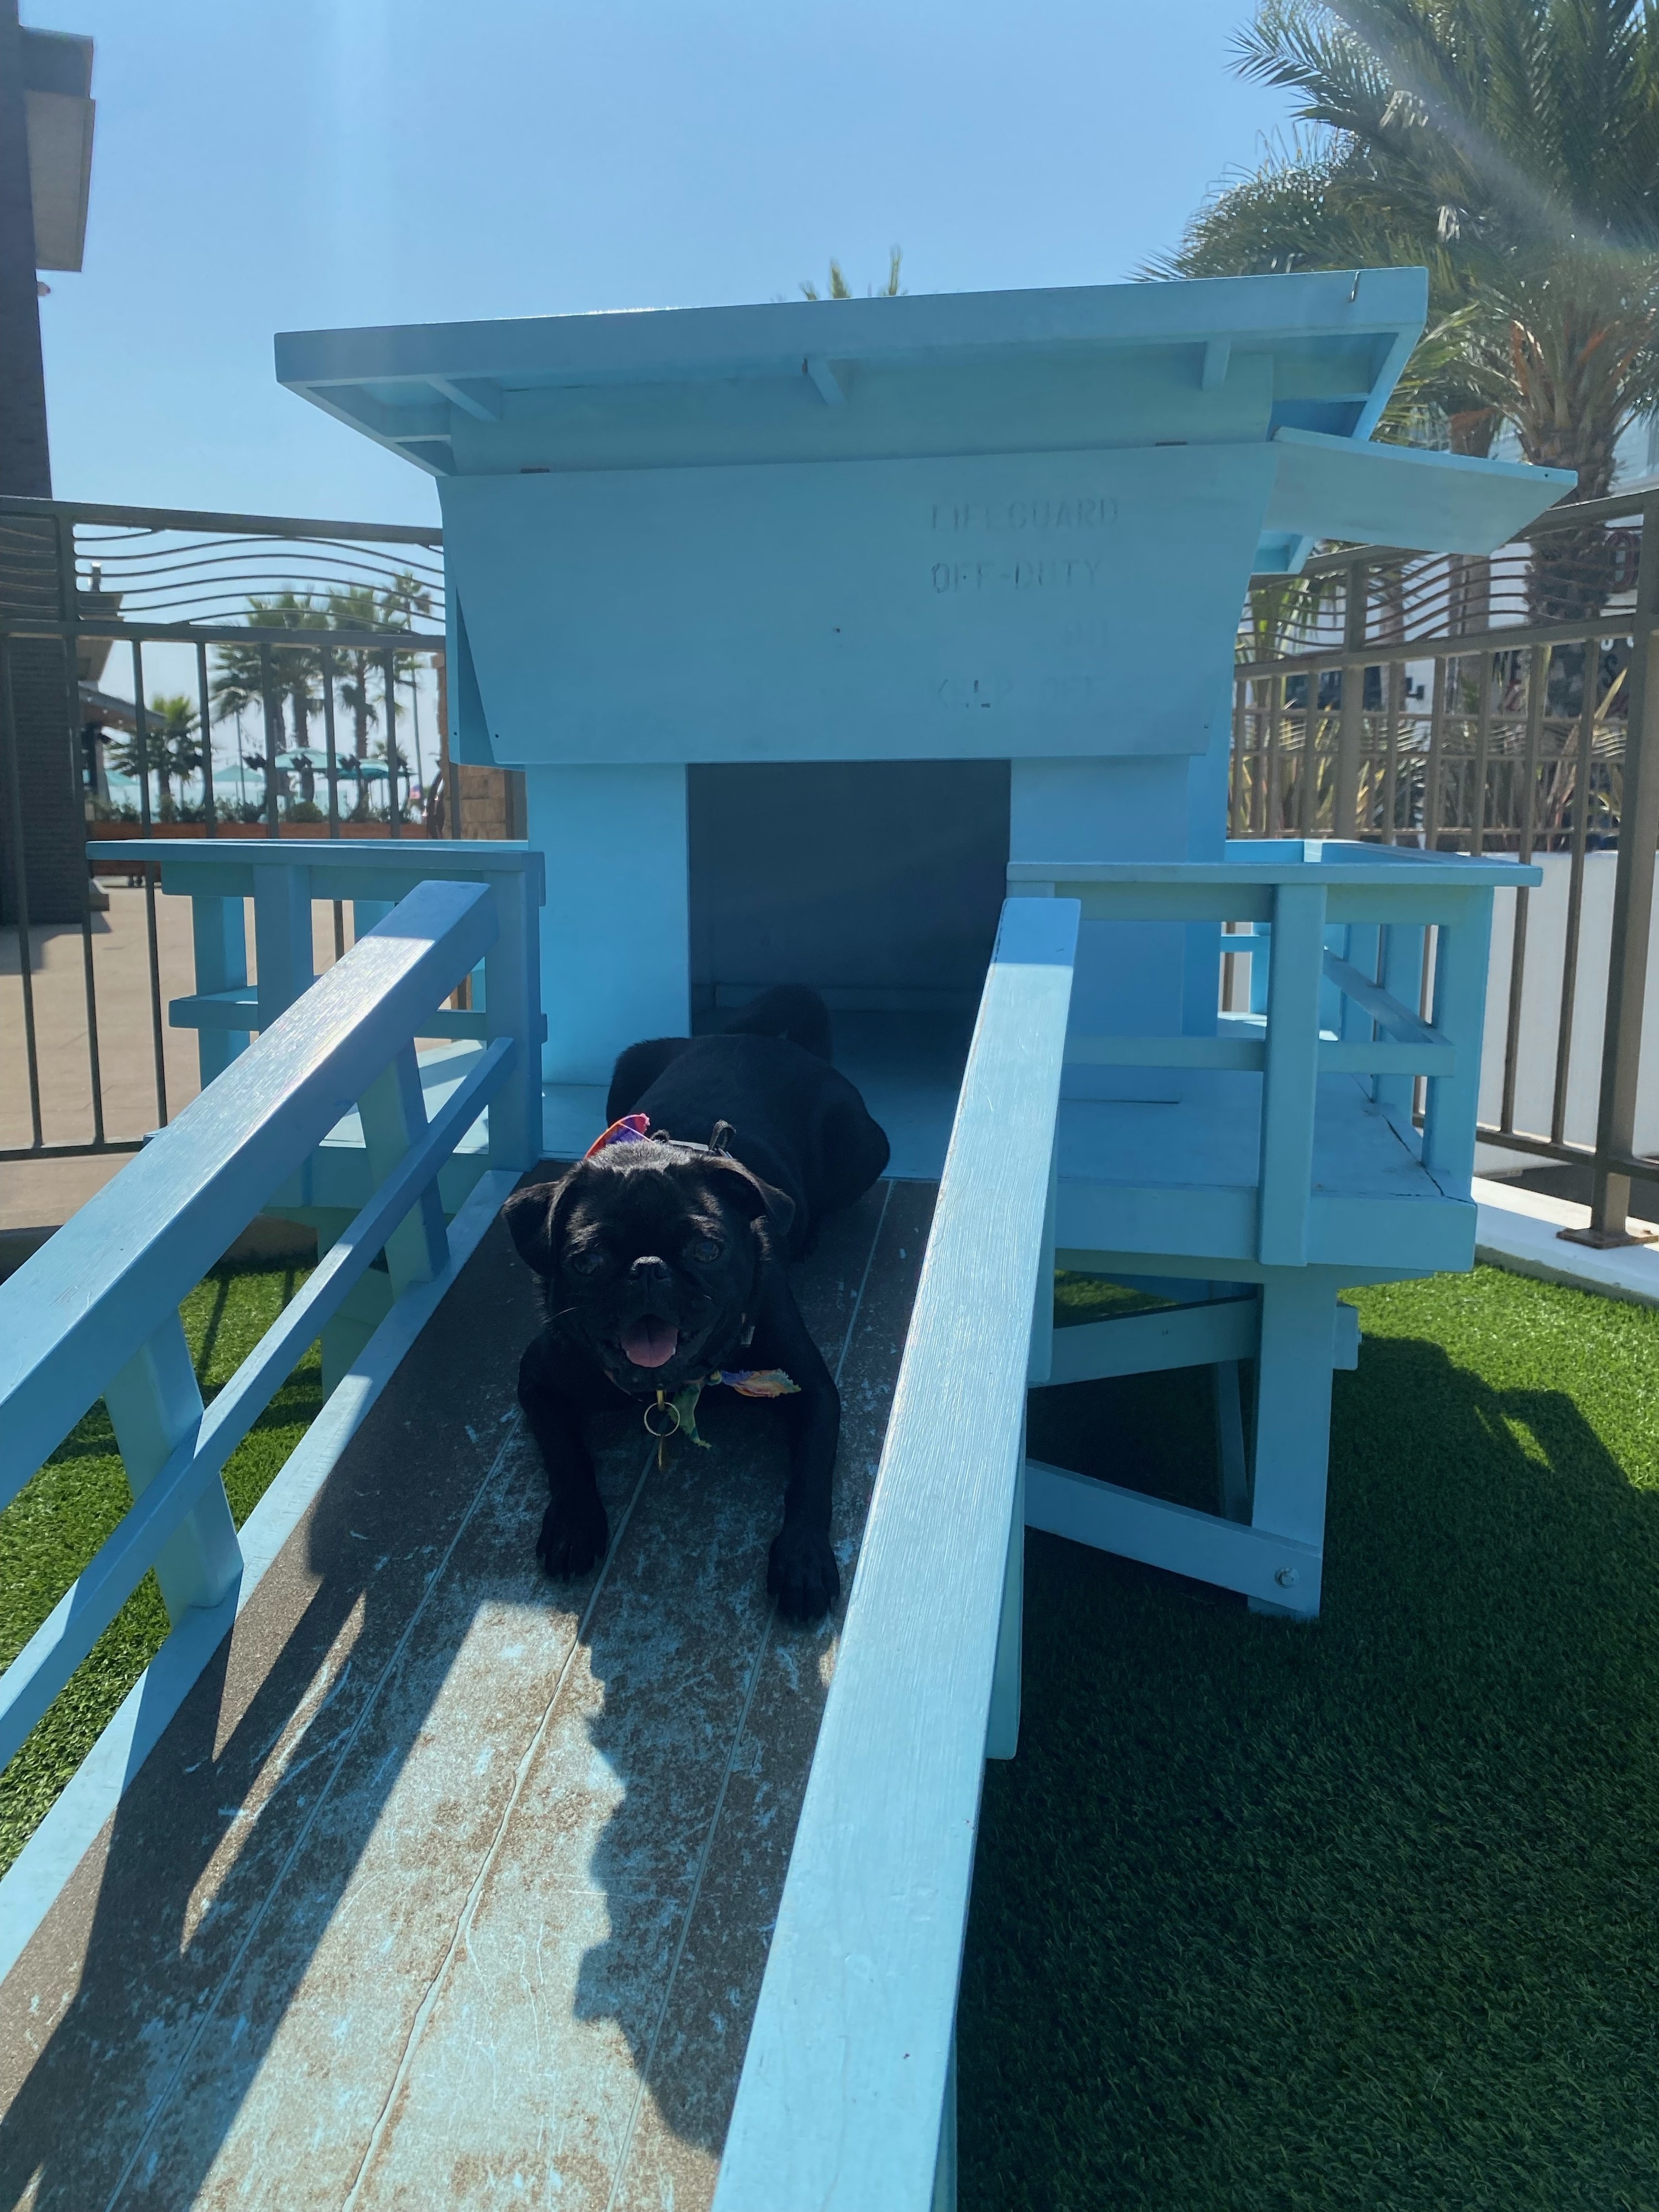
[[807, 623]]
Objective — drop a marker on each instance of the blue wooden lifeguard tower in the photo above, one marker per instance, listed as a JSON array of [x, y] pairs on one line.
[[885, 645], [810, 623]]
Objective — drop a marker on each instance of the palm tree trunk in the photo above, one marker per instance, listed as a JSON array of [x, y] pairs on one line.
[[1468, 575], [1570, 575]]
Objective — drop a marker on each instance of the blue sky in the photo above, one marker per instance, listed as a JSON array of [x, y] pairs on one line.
[[264, 164]]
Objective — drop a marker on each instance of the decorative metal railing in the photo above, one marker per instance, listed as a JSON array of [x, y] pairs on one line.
[[311, 634], [173, 569]]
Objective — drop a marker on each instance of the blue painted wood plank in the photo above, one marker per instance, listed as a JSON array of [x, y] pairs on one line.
[[1229, 1553], [699, 343], [282, 938], [1391, 1015], [1148, 1343], [219, 940], [1401, 967], [156, 1409], [844, 2085], [1291, 1075], [1390, 495], [1461, 961], [1293, 1418], [392, 1112]]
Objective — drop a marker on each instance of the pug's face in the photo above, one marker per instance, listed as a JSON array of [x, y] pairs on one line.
[[650, 1261]]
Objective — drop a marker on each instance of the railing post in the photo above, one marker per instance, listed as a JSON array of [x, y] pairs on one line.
[[1043, 1306], [512, 1008], [1293, 1421], [1291, 1074], [1632, 908], [218, 932], [1461, 955], [944, 2173], [1002, 1725], [393, 1114], [282, 938], [1401, 976], [366, 914], [154, 1405]]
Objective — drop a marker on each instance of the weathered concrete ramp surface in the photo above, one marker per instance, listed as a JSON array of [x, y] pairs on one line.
[[450, 1887]]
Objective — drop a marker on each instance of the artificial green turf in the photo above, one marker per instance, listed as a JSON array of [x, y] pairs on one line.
[[1362, 1915], [53, 1527]]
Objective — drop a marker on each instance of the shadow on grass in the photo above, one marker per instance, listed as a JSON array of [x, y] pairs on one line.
[[1361, 1915]]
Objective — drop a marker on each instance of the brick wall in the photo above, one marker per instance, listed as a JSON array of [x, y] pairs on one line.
[[492, 801]]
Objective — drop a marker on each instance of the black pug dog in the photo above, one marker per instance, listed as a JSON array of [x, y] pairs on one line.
[[662, 1259]]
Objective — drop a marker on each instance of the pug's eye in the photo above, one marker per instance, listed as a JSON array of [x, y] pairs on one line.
[[586, 1263], [707, 1250]]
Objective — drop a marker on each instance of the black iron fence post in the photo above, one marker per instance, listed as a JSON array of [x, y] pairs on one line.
[[1632, 908], [1344, 812], [268, 702]]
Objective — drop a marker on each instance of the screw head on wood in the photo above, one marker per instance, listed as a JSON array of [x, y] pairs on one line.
[[1285, 1577]]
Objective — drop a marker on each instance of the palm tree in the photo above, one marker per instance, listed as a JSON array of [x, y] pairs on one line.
[[1512, 146], [403, 601], [238, 679], [356, 608], [841, 290], [172, 748], [1317, 203]]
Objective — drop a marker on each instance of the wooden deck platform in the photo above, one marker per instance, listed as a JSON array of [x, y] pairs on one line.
[[446, 1886], [1178, 1171]]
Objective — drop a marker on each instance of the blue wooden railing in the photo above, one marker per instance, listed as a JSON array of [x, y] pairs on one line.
[[847, 2097], [95, 1311], [284, 878]]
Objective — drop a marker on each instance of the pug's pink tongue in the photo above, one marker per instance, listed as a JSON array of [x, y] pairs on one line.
[[649, 1342]]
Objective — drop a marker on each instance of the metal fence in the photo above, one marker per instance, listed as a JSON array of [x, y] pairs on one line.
[[314, 632], [1500, 703]]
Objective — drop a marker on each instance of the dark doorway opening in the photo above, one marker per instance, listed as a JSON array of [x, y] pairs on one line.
[[878, 882]]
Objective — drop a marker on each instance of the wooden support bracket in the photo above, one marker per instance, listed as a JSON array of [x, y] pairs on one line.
[[1147, 1343], [1275, 1570]]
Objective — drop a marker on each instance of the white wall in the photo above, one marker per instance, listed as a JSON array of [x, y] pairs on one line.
[[1541, 1012]]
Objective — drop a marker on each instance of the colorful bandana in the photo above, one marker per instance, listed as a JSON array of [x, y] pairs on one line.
[[627, 1131], [747, 1381]]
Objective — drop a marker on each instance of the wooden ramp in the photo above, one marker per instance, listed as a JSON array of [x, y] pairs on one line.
[[447, 1887]]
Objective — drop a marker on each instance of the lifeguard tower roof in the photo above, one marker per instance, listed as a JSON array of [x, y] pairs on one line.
[[1303, 362], [912, 587]]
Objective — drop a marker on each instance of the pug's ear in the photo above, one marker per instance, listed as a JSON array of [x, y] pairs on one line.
[[532, 1219], [742, 1188]]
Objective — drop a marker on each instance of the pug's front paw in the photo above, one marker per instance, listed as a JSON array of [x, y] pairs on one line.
[[574, 1532], [801, 1573]]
